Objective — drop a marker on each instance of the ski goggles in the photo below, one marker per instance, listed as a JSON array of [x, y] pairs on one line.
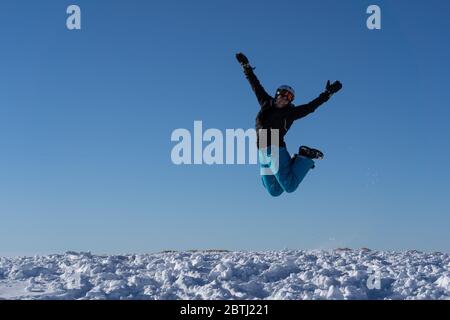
[[287, 94]]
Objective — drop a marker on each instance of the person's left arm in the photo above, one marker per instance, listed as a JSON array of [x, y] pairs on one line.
[[305, 109]]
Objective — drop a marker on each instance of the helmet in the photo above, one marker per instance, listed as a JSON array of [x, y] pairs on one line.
[[285, 88]]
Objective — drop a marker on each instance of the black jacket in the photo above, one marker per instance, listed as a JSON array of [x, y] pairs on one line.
[[271, 117]]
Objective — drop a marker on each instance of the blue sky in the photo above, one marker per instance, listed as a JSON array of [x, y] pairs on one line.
[[86, 118]]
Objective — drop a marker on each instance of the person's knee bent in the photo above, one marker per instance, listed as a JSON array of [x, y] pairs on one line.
[[275, 192], [290, 188], [289, 184]]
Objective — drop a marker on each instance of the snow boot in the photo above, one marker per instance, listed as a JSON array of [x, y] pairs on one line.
[[310, 152]]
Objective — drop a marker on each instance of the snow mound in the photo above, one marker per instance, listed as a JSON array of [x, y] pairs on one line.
[[338, 274]]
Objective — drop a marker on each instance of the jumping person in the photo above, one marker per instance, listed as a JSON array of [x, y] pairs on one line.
[[277, 114]]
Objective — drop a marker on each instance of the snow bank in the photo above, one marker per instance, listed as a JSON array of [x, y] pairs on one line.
[[338, 274]]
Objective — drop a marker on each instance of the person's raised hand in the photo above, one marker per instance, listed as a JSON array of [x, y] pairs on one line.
[[334, 87], [242, 59]]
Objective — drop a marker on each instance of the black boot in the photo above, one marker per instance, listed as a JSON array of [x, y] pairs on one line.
[[310, 152]]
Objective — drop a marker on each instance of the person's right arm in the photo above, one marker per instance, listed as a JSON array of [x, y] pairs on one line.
[[261, 94]]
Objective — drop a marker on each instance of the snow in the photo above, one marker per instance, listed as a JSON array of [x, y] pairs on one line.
[[287, 274]]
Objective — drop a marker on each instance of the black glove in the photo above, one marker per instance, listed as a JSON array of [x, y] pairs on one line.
[[241, 58], [333, 87]]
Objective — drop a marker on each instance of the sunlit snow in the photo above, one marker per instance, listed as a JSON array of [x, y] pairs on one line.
[[337, 274]]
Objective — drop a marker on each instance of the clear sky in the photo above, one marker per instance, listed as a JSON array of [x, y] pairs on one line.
[[86, 118]]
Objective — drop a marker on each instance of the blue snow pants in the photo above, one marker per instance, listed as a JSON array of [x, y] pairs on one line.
[[280, 172]]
